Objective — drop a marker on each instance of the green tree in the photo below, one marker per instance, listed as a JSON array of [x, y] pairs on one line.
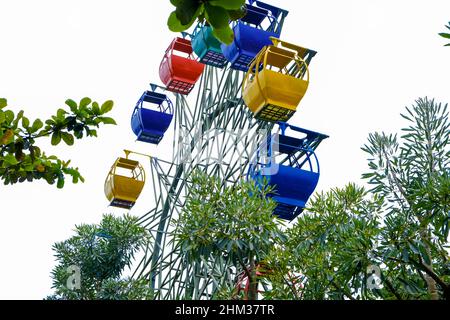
[[101, 252], [22, 160], [216, 13], [233, 225], [446, 35], [328, 248], [400, 229], [412, 175]]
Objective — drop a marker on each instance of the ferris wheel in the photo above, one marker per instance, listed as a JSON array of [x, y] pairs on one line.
[[223, 102]]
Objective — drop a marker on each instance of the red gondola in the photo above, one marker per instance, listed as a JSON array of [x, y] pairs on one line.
[[179, 71]]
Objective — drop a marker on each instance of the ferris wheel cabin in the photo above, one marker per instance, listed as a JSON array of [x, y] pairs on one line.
[[207, 47], [152, 117], [290, 167], [277, 80], [124, 183], [179, 71], [252, 33]]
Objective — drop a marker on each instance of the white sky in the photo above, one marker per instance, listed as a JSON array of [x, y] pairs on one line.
[[375, 57]]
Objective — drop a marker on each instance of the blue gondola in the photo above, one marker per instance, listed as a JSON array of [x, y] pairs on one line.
[[291, 167], [252, 33], [150, 124]]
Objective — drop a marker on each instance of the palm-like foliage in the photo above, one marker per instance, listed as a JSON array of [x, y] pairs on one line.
[[329, 248], [400, 228], [101, 252], [231, 224], [446, 35]]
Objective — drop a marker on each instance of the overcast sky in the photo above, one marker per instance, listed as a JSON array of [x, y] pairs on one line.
[[374, 58]]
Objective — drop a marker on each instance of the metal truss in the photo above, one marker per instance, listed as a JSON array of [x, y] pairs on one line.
[[218, 136], [216, 133]]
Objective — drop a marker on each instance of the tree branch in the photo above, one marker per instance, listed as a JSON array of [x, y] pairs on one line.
[[291, 287], [392, 289], [445, 287]]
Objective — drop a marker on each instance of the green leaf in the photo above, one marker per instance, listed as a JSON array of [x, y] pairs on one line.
[[61, 114], [96, 108], [25, 122], [37, 124], [60, 183], [36, 150], [10, 159], [224, 35], [2, 117], [3, 103], [67, 138], [187, 11], [9, 116], [72, 104], [228, 4], [217, 17], [107, 120], [176, 3], [18, 117], [56, 138], [405, 255], [85, 102], [445, 35], [107, 106], [424, 254], [237, 14], [413, 248], [174, 23]]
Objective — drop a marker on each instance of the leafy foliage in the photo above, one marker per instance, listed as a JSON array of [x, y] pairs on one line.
[[22, 160], [401, 227], [216, 13], [390, 242], [413, 177], [101, 252], [232, 224], [446, 35], [329, 248]]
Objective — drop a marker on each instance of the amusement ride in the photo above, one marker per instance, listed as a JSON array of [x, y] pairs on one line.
[[223, 103]]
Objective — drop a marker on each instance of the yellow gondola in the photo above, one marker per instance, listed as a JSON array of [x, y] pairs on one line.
[[276, 81], [124, 183]]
